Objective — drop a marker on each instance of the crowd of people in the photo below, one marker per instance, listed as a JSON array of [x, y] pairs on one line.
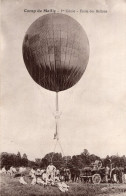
[[115, 174], [50, 176], [55, 177], [46, 177]]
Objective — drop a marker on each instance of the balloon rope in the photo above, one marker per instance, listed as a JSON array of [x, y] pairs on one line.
[[57, 107], [57, 116], [61, 147], [57, 142], [54, 150], [56, 136]]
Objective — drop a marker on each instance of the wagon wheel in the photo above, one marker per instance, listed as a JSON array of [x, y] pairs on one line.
[[96, 178]]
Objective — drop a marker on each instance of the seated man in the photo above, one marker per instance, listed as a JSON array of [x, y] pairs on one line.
[[22, 181], [32, 172], [50, 180], [38, 172], [3, 170], [45, 177], [57, 178], [34, 180], [12, 170], [40, 181], [62, 186]]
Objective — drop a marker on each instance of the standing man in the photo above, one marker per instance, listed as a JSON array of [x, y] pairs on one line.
[[51, 169], [107, 170], [124, 180]]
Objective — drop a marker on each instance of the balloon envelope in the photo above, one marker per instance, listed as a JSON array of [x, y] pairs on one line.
[[56, 51]]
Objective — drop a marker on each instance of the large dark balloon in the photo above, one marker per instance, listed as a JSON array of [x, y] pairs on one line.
[[56, 51]]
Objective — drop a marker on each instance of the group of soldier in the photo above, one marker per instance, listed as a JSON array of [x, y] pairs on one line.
[[49, 176], [53, 176], [115, 174]]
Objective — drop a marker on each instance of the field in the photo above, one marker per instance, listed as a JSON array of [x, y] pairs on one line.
[[11, 187]]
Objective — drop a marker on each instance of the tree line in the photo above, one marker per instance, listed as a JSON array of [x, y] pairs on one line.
[[80, 161]]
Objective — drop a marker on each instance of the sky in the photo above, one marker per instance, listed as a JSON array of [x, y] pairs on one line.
[[93, 112]]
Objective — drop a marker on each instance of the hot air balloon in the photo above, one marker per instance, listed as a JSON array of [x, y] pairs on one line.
[[56, 52]]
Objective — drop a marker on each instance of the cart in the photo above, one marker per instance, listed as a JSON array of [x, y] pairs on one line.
[[89, 175]]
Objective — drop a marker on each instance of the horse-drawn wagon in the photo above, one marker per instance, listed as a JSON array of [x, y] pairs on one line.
[[91, 175]]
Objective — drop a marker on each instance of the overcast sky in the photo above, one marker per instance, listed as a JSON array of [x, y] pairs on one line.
[[93, 111]]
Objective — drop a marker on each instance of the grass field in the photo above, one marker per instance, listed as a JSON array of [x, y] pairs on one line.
[[11, 187]]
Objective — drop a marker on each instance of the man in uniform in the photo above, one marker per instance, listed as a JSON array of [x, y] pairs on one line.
[[107, 170], [51, 169]]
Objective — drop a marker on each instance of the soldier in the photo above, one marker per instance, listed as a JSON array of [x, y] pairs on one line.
[[45, 177], [34, 180], [32, 172], [22, 181], [107, 170], [124, 174], [120, 175], [51, 169], [3, 170]]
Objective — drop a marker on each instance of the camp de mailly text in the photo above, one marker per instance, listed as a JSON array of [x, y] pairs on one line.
[[65, 11]]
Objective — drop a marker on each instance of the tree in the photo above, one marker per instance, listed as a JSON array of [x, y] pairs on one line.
[[118, 161], [18, 159], [8, 160], [55, 158], [31, 164], [38, 162], [66, 161], [24, 160], [85, 153], [93, 158], [19, 155], [85, 158], [4, 159], [58, 160], [44, 163]]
